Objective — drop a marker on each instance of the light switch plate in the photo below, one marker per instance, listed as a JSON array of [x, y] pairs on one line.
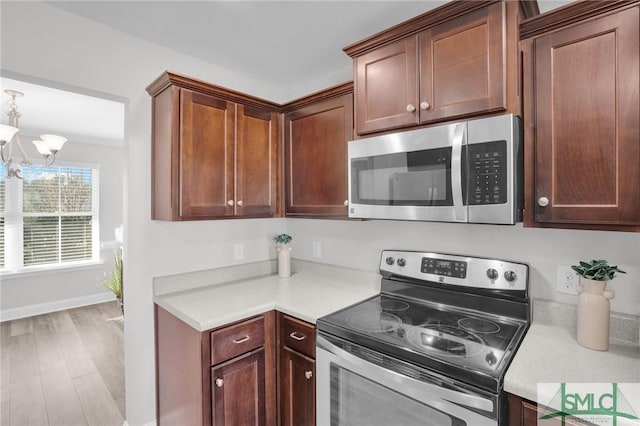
[[317, 249], [238, 251]]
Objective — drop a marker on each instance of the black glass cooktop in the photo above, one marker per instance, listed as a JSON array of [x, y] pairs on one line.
[[429, 333]]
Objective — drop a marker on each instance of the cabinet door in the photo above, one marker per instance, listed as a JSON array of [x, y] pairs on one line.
[[463, 65], [256, 162], [386, 87], [587, 147], [316, 157], [238, 391], [206, 155], [298, 389]]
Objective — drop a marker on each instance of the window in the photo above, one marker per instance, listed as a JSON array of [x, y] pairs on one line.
[[54, 220]]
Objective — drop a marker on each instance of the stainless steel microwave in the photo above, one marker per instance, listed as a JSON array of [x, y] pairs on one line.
[[469, 171]]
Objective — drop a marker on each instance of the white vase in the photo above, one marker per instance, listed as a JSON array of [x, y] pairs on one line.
[[284, 260], [593, 314]]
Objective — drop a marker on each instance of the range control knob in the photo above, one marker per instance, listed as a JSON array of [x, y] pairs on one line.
[[390, 260], [510, 276], [401, 262], [492, 274], [491, 358]]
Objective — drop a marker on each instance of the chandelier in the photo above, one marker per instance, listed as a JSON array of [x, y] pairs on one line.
[[48, 145]]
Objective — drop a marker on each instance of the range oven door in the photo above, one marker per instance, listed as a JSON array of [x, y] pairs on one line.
[[414, 175], [370, 389]]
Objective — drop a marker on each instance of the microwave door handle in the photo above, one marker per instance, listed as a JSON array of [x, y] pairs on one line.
[[456, 172]]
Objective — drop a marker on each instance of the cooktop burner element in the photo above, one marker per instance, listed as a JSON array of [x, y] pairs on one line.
[[465, 326], [446, 340], [373, 321], [393, 305], [479, 325]]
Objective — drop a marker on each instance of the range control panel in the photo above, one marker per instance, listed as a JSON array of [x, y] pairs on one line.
[[444, 267], [467, 271]]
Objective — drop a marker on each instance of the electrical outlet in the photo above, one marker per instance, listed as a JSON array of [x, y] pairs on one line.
[[238, 251], [317, 249], [567, 280]]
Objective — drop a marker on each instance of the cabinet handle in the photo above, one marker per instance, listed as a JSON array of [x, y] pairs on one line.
[[346, 203], [410, 108], [295, 336], [543, 201], [219, 382], [230, 202], [308, 374], [240, 203], [424, 105], [244, 339]]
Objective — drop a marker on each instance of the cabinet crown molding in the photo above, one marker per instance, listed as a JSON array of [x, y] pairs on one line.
[[428, 19], [569, 14], [169, 78]]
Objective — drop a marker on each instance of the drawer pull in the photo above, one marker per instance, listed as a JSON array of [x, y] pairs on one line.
[[308, 374], [244, 339], [295, 336], [219, 382]]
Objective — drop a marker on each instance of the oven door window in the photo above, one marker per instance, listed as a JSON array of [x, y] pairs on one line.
[[417, 178], [358, 401]]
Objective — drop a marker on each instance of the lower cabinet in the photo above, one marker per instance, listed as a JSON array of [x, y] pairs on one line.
[[225, 376], [297, 383], [258, 371], [523, 412], [237, 396]]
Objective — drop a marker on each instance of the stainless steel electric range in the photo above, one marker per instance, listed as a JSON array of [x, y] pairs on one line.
[[431, 349]]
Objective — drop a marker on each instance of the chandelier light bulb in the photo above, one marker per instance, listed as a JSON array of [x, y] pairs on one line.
[[7, 133], [53, 142], [43, 147]]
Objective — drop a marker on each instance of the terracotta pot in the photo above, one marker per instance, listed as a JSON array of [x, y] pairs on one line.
[[593, 314]]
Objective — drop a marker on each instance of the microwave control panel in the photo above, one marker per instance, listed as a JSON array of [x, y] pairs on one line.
[[487, 173]]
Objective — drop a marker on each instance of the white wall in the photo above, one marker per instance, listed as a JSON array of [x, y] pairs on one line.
[[65, 48], [62, 47], [359, 243], [34, 293]]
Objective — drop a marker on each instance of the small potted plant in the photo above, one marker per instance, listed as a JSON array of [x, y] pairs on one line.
[[284, 254], [113, 280], [593, 303]]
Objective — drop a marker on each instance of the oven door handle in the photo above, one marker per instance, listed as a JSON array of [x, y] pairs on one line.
[[459, 210], [361, 366]]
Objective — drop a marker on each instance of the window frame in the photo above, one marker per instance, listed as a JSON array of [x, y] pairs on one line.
[[14, 226]]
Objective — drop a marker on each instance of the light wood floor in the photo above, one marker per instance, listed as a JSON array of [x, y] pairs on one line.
[[64, 368]]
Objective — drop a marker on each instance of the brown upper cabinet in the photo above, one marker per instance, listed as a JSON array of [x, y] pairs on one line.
[[456, 61], [214, 151], [317, 129], [581, 114]]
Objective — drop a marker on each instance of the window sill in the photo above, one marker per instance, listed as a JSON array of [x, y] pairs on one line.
[[47, 270]]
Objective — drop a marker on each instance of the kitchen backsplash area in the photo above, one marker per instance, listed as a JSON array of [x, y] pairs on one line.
[[358, 244]]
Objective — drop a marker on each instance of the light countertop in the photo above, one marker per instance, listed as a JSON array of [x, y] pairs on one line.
[[313, 291], [551, 354]]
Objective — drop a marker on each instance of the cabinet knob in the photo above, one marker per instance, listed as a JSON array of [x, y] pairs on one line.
[[219, 382], [240, 203], [543, 201], [308, 374], [346, 203], [424, 105], [230, 202], [410, 108]]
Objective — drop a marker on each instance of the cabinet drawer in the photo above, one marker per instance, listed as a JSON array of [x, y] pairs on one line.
[[237, 339], [299, 336]]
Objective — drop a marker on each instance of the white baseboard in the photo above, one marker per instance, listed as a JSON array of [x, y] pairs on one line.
[[151, 423], [58, 305]]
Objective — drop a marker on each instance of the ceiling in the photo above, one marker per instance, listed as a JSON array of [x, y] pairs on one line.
[[282, 43]]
